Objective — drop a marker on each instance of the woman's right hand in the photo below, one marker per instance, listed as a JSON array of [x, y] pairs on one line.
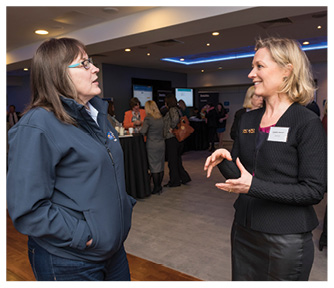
[[216, 157], [88, 243]]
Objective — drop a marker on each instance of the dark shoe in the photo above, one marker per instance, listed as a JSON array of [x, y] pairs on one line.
[[169, 185]]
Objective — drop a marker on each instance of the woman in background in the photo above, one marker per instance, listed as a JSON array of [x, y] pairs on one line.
[[251, 102], [135, 116], [278, 168], [177, 174], [153, 128], [221, 125]]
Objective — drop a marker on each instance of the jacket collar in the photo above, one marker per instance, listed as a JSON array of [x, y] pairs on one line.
[[74, 108]]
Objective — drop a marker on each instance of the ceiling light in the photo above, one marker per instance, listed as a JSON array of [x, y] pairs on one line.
[[127, 50], [319, 27], [42, 32], [148, 54], [215, 33], [181, 59], [202, 70], [25, 69], [238, 53], [306, 43], [208, 44]]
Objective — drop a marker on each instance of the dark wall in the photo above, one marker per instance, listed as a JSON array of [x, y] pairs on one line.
[[117, 83]]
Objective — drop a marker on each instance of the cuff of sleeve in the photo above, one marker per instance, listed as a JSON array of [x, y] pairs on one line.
[[229, 169]]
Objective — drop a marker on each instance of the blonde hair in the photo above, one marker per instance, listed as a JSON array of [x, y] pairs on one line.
[[249, 94], [152, 109], [299, 85]]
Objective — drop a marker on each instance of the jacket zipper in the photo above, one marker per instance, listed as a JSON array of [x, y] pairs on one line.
[[113, 163]]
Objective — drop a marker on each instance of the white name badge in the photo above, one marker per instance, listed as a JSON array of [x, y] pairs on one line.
[[278, 134]]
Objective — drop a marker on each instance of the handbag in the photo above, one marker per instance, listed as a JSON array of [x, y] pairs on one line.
[[183, 129]]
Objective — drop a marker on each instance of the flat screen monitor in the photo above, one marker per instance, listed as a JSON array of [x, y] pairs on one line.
[[143, 93], [185, 94]]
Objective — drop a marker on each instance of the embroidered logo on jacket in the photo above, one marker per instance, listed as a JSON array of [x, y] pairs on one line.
[[111, 136]]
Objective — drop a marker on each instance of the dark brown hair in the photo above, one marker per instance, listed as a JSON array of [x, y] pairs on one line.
[[170, 100], [50, 78]]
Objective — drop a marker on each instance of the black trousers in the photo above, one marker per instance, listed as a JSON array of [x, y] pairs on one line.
[[258, 256], [177, 173]]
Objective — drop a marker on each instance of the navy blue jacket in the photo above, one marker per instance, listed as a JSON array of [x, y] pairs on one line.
[[289, 177], [65, 183]]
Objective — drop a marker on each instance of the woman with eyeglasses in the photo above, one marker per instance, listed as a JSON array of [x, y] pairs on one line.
[[66, 185]]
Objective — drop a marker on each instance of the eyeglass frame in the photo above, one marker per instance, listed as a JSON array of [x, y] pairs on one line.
[[90, 61]]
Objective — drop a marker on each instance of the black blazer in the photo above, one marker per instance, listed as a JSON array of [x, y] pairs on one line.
[[289, 177]]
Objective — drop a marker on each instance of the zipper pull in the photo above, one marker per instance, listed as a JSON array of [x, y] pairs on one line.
[[110, 155]]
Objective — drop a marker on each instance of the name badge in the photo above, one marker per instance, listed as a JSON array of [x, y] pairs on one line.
[[278, 134]]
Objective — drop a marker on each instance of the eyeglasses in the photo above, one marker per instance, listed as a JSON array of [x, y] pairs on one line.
[[85, 63]]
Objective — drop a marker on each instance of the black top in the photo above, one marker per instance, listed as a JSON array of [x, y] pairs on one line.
[[289, 177]]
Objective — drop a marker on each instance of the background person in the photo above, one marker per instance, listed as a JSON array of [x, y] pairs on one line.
[[177, 174], [280, 153], [153, 128], [135, 116], [221, 123], [251, 102], [69, 197]]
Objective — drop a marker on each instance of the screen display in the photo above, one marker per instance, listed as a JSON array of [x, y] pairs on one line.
[[143, 93], [186, 94]]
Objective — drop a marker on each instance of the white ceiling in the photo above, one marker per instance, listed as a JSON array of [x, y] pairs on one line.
[[161, 31]]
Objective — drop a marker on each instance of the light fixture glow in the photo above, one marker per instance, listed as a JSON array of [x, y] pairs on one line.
[[148, 54], [243, 52], [319, 27], [207, 44], [25, 69], [127, 50], [215, 33], [41, 32], [306, 43]]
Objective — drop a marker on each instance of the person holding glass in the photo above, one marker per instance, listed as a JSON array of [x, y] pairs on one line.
[[134, 117], [69, 197], [277, 167]]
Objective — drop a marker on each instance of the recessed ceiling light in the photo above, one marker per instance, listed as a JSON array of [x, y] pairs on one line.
[[207, 44], [127, 50], [181, 59], [319, 27], [306, 43], [148, 54], [215, 33], [25, 69], [42, 32], [202, 70]]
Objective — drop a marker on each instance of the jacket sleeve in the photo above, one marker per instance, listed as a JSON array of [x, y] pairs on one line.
[[32, 161], [311, 184], [127, 123]]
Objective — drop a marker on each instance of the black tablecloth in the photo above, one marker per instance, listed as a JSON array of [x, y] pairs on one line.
[[137, 179], [198, 140]]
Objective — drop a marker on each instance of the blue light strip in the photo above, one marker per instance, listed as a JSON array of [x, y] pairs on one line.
[[235, 55]]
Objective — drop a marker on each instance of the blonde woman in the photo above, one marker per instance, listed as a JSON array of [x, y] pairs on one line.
[[279, 169], [153, 128], [251, 102]]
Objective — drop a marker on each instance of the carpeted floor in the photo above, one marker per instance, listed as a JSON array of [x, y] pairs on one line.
[[187, 228]]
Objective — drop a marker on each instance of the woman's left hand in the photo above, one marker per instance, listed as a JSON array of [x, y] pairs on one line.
[[240, 185]]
